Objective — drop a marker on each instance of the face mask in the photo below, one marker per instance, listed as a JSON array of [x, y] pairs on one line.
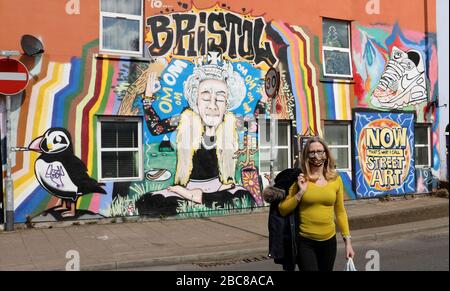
[[317, 162]]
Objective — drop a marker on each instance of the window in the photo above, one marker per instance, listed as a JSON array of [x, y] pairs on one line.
[[121, 26], [422, 153], [337, 136], [337, 59], [282, 149], [120, 148]]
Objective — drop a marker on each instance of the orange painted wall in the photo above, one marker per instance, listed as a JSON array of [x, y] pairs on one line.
[[63, 35]]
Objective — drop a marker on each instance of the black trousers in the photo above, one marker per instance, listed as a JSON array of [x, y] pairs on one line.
[[316, 255]]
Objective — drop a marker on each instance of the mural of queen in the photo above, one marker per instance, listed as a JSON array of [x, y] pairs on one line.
[[207, 141]]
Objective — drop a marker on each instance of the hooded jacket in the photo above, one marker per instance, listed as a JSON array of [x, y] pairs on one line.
[[283, 231]]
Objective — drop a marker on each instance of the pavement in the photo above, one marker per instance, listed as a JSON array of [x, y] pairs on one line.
[[109, 245]]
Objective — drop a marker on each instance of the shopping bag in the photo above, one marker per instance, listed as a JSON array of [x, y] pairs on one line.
[[350, 266]]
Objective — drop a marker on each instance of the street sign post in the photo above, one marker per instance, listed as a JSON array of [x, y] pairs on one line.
[[271, 83], [13, 80], [271, 86]]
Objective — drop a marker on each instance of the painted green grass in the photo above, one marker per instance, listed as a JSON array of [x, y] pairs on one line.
[[153, 160], [139, 189], [125, 206], [189, 209], [119, 207]]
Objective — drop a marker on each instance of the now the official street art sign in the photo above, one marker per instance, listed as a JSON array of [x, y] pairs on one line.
[[383, 146]]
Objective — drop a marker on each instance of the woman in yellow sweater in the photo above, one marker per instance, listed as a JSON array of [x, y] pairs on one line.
[[319, 191]]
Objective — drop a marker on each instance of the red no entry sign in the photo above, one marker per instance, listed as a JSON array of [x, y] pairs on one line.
[[13, 76]]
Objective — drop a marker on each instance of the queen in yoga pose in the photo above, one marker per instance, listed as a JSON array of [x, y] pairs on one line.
[[206, 138]]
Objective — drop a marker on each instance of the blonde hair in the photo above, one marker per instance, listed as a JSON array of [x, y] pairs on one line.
[[190, 131], [329, 171]]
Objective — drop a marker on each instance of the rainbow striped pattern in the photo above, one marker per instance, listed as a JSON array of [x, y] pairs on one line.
[[68, 95], [338, 101], [303, 77]]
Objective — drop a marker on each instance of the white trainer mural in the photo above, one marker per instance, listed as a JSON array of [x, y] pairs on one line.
[[403, 82]]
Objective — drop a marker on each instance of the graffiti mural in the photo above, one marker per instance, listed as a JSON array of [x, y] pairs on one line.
[[384, 147], [201, 108], [402, 82], [195, 34], [424, 180], [61, 173], [373, 49], [299, 74], [339, 100], [394, 68], [346, 177], [206, 135], [75, 93], [199, 91]]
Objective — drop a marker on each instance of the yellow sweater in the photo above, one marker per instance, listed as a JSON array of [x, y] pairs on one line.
[[318, 207]]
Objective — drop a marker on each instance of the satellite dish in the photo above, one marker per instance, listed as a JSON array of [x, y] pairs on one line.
[[31, 45]]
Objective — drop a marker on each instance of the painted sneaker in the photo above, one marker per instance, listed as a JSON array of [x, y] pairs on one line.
[[402, 82], [158, 175]]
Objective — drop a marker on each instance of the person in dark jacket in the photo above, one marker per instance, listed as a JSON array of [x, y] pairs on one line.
[[283, 232]]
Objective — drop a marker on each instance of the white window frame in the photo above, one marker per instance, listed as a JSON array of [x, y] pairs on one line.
[[343, 50], [349, 146], [139, 150], [123, 16], [287, 146], [428, 127]]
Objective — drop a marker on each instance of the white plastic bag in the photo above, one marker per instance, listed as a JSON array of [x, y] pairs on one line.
[[350, 266]]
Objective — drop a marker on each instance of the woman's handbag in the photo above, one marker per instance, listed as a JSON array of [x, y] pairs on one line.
[[350, 266]]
